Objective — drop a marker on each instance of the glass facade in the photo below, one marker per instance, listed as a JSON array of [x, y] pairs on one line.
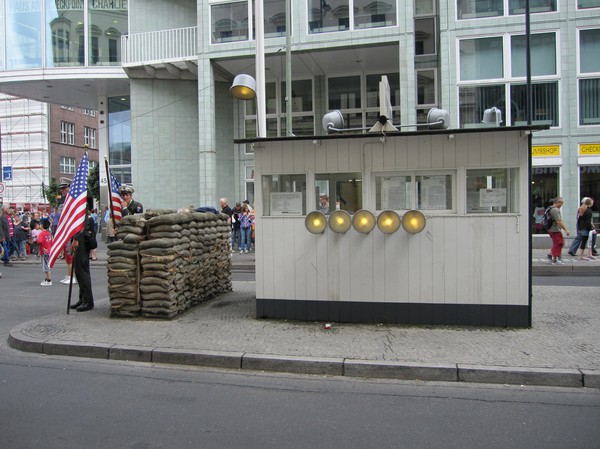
[[326, 16], [52, 33], [119, 138]]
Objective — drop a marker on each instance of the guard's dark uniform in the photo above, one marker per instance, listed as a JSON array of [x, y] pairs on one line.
[[133, 208], [81, 266]]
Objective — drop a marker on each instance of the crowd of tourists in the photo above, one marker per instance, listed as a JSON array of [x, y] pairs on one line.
[[242, 225]]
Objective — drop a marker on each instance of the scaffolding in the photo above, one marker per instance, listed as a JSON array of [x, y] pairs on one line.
[[24, 127]]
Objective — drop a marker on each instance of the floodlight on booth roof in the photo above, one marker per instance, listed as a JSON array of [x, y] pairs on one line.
[[243, 87], [492, 116], [340, 221], [388, 222], [413, 221], [315, 222], [363, 221]]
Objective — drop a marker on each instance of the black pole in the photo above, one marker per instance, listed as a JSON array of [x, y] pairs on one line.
[[529, 94]]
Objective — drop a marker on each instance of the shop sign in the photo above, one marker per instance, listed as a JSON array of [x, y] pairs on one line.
[[589, 149], [545, 150]]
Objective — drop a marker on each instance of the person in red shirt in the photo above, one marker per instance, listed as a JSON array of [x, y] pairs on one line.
[[45, 245]]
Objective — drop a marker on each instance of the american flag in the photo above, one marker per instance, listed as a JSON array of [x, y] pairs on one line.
[[72, 217], [115, 197]]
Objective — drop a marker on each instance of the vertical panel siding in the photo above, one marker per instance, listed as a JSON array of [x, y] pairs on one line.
[[457, 259]]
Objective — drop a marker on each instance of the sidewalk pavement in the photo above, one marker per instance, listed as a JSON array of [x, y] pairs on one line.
[[561, 349]]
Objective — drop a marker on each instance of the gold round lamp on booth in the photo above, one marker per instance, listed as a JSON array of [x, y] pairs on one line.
[[315, 222], [413, 221], [340, 221], [363, 221], [388, 222]]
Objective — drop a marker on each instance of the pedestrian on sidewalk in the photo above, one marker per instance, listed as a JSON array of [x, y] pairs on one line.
[[584, 226], [21, 231], [45, 239], [5, 236], [556, 232]]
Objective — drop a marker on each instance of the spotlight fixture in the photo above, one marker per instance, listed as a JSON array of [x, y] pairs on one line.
[[413, 221], [492, 116], [363, 221], [388, 222], [340, 221], [243, 87], [333, 121], [315, 222]]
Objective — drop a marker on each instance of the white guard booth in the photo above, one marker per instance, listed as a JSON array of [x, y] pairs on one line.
[[338, 238]]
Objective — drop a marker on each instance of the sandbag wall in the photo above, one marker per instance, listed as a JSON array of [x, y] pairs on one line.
[[182, 259]]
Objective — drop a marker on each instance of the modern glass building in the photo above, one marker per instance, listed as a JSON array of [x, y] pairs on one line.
[[160, 71]]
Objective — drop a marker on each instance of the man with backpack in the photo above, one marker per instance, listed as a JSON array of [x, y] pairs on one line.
[[555, 231]]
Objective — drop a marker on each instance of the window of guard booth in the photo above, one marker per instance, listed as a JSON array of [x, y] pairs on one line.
[[338, 191], [493, 190], [431, 191], [544, 188], [589, 185], [284, 195]]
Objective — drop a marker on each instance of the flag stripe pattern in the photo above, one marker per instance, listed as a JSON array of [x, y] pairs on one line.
[[72, 217], [115, 197]]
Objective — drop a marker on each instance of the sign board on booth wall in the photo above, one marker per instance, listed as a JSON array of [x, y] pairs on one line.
[[284, 203]]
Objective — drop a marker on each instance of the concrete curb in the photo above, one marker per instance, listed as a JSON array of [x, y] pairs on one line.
[[552, 377]]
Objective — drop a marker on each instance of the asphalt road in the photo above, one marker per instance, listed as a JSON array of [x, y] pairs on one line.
[[61, 402]]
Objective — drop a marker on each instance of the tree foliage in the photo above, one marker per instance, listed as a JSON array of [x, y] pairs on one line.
[[94, 183], [52, 193]]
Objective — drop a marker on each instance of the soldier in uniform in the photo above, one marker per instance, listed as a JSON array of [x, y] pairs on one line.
[[129, 205]]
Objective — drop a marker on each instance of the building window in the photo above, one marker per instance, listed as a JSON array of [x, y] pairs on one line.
[[431, 191], [589, 185], [425, 37], [90, 112], [338, 191], [284, 195], [493, 190], [326, 16], [477, 9], [89, 136], [545, 104], [229, 21], [535, 6], [584, 4], [424, 7], [589, 77], [302, 110], [426, 92], [482, 61], [67, 165], [67, 133], [249, 181], [474, 100], [544, 188]]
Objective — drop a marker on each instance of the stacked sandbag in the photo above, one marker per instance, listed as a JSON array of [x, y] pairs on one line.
[[123, 267], [184, 260]]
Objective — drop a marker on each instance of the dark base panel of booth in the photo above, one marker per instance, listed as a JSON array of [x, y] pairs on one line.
[[394, 313]]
